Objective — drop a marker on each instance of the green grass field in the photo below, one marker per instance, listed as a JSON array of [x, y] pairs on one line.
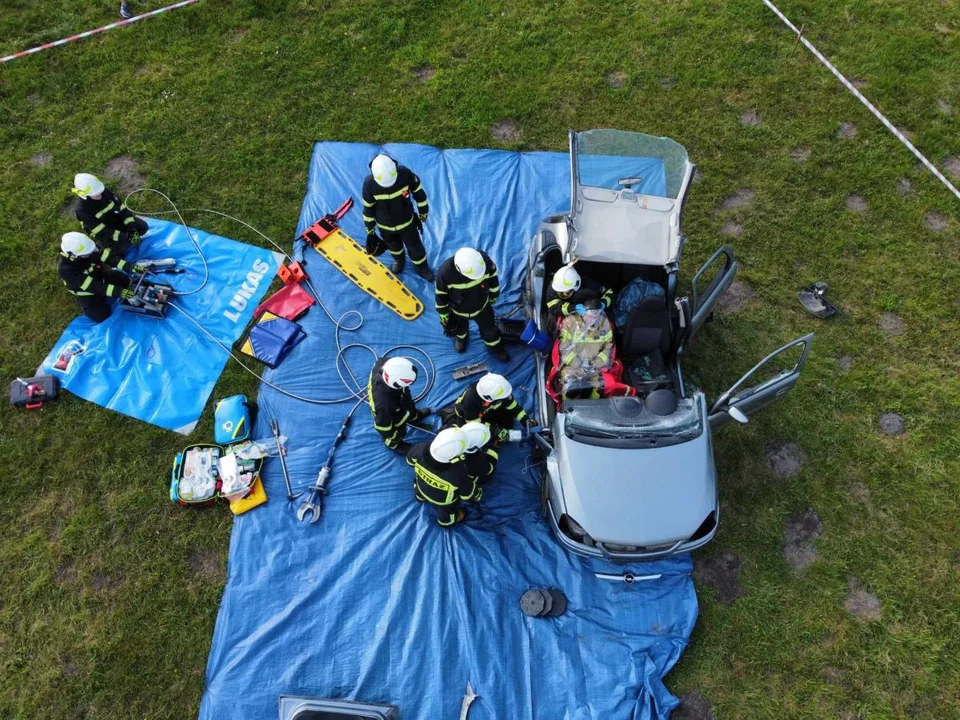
[[108, 593]]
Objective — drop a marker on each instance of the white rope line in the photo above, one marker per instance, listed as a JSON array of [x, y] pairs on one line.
[[869, 105]]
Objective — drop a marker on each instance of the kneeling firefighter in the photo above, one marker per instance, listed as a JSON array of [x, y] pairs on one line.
[[93, 275], [388, 205], [490, 400], [467, 287], [568, 290], [391, 402], [104, 217], [482, 455], [441, 476]]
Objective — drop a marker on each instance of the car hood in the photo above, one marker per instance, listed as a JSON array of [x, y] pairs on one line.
[[644, 497]]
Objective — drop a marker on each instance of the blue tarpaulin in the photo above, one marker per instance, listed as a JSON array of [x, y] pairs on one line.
[[162, 371], [376, 602]]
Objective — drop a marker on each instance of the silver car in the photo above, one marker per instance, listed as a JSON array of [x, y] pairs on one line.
[[632, 477]]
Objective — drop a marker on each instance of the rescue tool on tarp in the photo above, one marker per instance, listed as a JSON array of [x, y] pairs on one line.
[[367, 273], [313, 505]]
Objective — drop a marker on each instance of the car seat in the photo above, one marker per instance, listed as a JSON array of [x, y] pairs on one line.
[[646, 343]]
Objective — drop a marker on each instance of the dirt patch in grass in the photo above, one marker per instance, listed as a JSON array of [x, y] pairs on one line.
[[860, 602], [860, 492], [204, 563], [731, 229], [944, 106], [40, 160], [801, 530], [735, 298], [69, 208], [693, 706], [667, 83], [856, 204], [751, 119], [936, 222], [848, 130], [952, 166], [740, 200], [800, 154], [904, 186], [891, 324], [505, 131], [69, 669], [616, 79], [722, 573], [784, 460], [423, 73], [892, 424], [832, 675], [123, 171], [845, 363], [100, 581], [66, 574]]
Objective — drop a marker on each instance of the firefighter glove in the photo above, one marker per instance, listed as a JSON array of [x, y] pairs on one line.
[[126, 294]]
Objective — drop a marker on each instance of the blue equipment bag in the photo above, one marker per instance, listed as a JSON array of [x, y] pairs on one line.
[[231, 420]]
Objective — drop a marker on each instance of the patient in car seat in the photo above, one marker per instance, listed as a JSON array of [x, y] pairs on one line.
[[584, 357]]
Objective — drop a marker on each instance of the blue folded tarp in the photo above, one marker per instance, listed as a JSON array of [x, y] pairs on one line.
[[162, 371], [376, 602]]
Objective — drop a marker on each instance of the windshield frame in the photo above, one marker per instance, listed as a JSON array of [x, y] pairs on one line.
[[688, 424]]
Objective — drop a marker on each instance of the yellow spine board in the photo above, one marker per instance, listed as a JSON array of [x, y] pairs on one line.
[[369, 274]]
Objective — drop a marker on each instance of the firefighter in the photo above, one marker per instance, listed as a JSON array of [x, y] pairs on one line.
[[482, 455], [568, 290], [388, 205], [392, 405], [93, 275], [467, 288], [491, 400], [441, 476], [104, 217]]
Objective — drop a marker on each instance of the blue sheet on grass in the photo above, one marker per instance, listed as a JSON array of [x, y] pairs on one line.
[[162, 371], [376, 602]]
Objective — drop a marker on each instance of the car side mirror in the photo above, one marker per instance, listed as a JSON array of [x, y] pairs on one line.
[[737, 415]]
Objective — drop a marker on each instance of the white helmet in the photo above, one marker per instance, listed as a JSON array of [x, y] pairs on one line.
[[85, 185], [384, 170], [448, 445], [478, 435], [492, 387], [399, 372], [470, 263], [566, 280], [76, 244]]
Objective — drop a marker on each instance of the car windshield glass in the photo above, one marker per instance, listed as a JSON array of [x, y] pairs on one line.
[[627, 418], [615, 159]]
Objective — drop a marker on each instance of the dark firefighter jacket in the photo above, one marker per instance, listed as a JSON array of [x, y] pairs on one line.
[[461, 295], [470, 406], [392, 408], [106, 220], [589, 289], [440, 483], [483, 462], [390, 209], [84, 276]]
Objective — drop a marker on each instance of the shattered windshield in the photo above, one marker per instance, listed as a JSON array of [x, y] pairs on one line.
[[626, 418], [614, 159]]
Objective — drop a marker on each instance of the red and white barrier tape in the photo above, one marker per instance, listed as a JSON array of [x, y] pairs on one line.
[[99, 30], [869, 105]]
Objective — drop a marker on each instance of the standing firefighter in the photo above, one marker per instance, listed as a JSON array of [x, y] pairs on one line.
[[387, 205], [467, 288], [104, 216], [441, 476], [491, 400], [93, 275], [482, 455], [392, 405], [568, 290]]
